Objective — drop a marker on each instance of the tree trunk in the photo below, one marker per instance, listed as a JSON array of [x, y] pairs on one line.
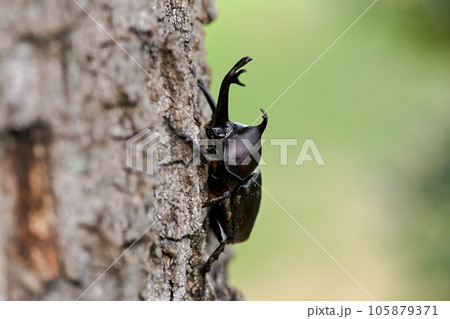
[[70, 99]]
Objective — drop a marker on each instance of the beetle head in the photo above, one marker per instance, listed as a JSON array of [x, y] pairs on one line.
[[218, 131], [242, 143]]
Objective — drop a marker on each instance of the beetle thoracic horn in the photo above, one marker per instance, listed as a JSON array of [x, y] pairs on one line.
[[220, 115]]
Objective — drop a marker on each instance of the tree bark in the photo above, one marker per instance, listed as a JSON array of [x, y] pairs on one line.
[[70, 98]]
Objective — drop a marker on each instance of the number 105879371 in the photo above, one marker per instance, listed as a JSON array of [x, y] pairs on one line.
[[402, 310]]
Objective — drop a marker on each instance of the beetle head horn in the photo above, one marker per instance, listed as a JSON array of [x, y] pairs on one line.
[[220, 116]]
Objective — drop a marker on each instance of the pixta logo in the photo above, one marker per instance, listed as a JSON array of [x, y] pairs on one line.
[[142, 151]]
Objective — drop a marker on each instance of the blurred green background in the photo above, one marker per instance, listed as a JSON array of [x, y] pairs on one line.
[[378, 107]]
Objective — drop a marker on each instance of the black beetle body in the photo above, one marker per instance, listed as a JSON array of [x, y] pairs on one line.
[[234, 181]]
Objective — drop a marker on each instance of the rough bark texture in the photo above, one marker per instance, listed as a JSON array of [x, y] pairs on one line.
[[70, 97]]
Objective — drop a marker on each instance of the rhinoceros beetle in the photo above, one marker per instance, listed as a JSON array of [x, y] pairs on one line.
[[234, 180]]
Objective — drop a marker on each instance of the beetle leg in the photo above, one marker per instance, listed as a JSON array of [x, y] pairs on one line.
[[191, 142], [217, 200], [215, 255], [208, 95], [195, 146]]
